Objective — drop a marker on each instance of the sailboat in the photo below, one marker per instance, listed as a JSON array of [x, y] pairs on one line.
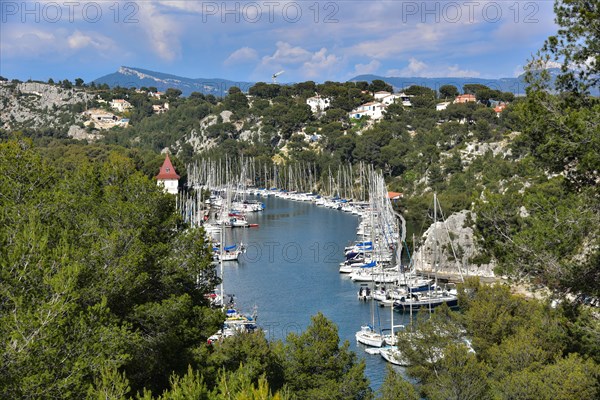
[[229, 253], [390, 352], [235, 322], [367, 334], [431, 298]]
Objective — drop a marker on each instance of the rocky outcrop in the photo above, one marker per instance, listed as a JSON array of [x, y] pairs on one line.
[[79, 133], [40, 106], [456, 248]]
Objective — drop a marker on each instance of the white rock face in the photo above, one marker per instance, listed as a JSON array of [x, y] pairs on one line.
[[452, 231], [39, 105], [226, 115], [79, 133]]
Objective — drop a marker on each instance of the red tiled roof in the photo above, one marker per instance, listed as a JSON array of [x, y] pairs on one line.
[[167, 171], [394, 195]]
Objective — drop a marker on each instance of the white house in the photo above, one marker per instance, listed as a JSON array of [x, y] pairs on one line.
[[373, 109], [167, 177], [318, 103], [388, 98], [160, 108], [442, 106], [156, 95], [120, 105], [381, 94], [405, 99]]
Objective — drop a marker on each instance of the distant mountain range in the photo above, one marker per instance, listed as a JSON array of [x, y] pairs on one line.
[[137, 77], [513, 85]]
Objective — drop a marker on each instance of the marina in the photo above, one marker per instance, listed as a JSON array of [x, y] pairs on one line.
[[342, 257], [290, 271]]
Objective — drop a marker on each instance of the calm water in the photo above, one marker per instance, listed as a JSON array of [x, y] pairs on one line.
[[290, 272]]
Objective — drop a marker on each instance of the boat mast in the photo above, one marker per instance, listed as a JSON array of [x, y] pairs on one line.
[[221, 267], [434, 245]]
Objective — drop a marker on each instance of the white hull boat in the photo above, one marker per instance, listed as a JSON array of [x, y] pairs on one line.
[[369, 337]]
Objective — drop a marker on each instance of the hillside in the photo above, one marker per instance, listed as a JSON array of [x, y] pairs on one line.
[[128, 77], [480, 158], [49, 110]]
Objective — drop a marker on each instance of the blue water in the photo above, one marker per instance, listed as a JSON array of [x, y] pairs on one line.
[[290, 272]]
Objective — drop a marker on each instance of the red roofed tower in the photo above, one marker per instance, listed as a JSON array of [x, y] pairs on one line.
[[167, 177]]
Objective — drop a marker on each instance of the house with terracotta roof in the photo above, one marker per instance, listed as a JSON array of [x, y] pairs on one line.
[[499, 108], [167, 177], [465, 98], [394, 196]]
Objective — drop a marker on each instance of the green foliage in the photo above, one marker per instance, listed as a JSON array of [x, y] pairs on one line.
[[562, 136], [520, 349], [317, 367], [88, 276], [111, 385], [568, 378], [395, 387], [259, 357], [448, 91], [543, 231], [377, 85], [460, 376], [577, 43]]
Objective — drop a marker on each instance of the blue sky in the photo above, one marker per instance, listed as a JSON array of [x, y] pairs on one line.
[[250, 40]]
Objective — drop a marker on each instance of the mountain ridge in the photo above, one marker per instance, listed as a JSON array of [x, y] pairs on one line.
[[514, 85], [140, 77]]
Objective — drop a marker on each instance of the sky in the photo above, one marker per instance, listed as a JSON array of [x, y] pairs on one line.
[[251, 40]]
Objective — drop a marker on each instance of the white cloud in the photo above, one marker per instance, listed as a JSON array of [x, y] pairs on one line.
[[79, 40], [320, 63], [241, 55], [364, 69], [417, 68], [191, 6], [286, 54], [26, 43], [455, 72], [300, 63], [161, 30], [410, 38]]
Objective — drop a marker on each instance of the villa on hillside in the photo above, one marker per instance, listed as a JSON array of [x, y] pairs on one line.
[[103, 119], [120, 105], [395, 196], [381, 94], [465, 98], [373, 109], [160, 108], [318, 103], [388, 98], [501, 106]]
